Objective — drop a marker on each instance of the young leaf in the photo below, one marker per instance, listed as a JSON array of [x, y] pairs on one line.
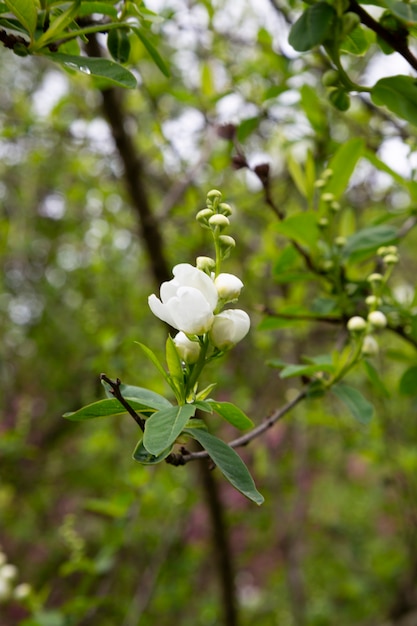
[[312, 28], [152, 357], [163, 427], [290, 371], [102, 408], [232, 414], [343, 163], [26, 13], [360, 408], [58, 26], [229, 463], [146, 397], [375, 379], [118, 44], [399, 95], [173, 360], [369, 239], [104, 68], [301, 227], [153, 52], [141, 455]]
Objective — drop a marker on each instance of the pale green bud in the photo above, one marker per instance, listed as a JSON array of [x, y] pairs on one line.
[[328, 197], [225, 209], [370, 346], [205, 264], [375, 278], [356, 324], [377, 319], [340, 242], [391, 259], [219, 220], [226, 241], [323, 222], [372, 301], [214, 193], [335, 206], [328, 173], [22, 591], [204, 215], [319, 183], [8, 571]]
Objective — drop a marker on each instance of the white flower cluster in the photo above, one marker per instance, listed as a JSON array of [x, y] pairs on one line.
[[189, 303], [9, 590]]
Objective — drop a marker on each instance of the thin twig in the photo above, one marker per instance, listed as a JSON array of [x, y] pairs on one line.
[[115, 391]]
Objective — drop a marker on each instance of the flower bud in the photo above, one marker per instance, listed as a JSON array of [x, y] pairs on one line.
[[227, 242], [328, 197], [188, 350], [22, 591], [340, 242], [5, 590], [319, 183], [213, 194], [205, 264], [228, 287], [375, 278], [203, 216], [335, 206], [228, 328], [372, 301], [323, 222], [225, 209], [327, 174], [8, 571], [377, 319], [391, 259], [219, 220], [356, 324], [370, 346]]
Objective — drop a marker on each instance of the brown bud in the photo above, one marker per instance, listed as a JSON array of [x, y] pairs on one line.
[[262, 172], [226, 131], [239, 162]]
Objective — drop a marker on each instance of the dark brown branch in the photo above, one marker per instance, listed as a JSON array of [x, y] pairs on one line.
[[397, 40], [115, 390]]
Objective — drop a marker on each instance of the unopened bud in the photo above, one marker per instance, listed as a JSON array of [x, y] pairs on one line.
[[377, 319], [328, 197], [203, 216], [340, 242], [370, 346], [391, 259], [372, 301], [375, 278], [205, 264], [214, 193], [225, 209], [219, 220], [356, 324]]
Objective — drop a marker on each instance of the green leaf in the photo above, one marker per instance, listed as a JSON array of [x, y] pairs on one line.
[[399, 95], [113, 73], [229, 463], [404, 11], [290, 371], [342, 164], [297, 174], [370, 239], [301, 228], [232, 414], [141, 455], [163, 427], [153, 358], [375, 379], [26, 13], [204, 406], [312, 28], [247, 127], [146, 397], [360, 408], [102, 408], [118, 44], [103, 8], [173, 360], [204, 393], [357, 42], [58, 26], [408, 381], [383, 167], [153, 52]]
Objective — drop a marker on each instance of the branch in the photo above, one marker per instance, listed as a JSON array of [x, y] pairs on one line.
[[115, 390], [397, 40]]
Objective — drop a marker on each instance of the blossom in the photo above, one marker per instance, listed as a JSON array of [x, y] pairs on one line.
[[228, 286], [188, 350], [229, 327], [187, 301]]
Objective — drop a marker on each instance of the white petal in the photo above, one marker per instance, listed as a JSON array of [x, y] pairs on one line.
[[190, 311], [161, 310]]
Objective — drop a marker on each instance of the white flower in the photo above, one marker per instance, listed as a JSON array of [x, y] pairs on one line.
[[22, 591], [5, 590], [187, 301], [8, 571], [229, 327], [377, 319], [188, 350], [228, 286]]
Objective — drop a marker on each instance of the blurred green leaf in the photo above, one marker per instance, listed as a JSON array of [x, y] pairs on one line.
[[312, 27], [153, 52], [399, 95], [26, 13], [359, 407], [408, 381], [343, 163]]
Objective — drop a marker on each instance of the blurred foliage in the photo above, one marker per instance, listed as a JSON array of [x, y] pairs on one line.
[[100, 538]]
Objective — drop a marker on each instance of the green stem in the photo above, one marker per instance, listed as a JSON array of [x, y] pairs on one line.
[[198, 367], [346, 368], [44, 41]]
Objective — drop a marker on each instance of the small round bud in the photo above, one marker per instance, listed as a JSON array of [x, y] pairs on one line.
[[225, 209], [22, 591], [382, 251], [356, 324], [319, 183], [339, 98], [377, 319], [219, 220], [391, 259], [188, 350], [335, 206], [8, 571], [205, 264], [204, 215], [327, 265], [375, 278], [340, 242], [372, 301], [370, 346], [323, 222], [214, 193], [327, 174], [392, 250], [226, 241], [330, 78], [328, 197]]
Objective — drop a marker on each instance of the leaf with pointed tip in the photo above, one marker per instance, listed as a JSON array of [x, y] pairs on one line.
[[232, 414], [360, 408], [102, 408], [229, 463], [26, 13], [114, 73], [141, 455]]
